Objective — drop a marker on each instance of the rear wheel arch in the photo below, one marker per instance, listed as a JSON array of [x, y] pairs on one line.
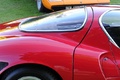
[[32, 66]]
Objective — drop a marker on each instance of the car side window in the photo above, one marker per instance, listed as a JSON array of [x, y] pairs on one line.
[[67, 20], [111, 23]]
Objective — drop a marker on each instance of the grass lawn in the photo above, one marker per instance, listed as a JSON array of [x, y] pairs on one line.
[[15, 9], [115, 2]]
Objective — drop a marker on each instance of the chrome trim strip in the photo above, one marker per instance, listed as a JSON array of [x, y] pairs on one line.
[[100, 21], [86, 17]]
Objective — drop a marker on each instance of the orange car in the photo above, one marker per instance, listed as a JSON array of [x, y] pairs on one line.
[[42, 5]]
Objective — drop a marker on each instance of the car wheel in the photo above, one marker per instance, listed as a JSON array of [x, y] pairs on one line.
[[40, 6], [28, 74]]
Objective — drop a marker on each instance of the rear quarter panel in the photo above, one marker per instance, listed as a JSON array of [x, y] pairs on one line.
[[53, 54]]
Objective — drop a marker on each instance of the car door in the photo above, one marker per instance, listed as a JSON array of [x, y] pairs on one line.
[[93, 58], [113, 30], [111, 25]]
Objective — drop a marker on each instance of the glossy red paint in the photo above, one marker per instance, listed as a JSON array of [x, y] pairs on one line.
[[85, 54]]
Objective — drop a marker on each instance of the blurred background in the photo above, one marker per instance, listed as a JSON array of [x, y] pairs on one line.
[[16, 9]]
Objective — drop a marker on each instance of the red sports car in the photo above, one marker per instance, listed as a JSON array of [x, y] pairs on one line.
[[76, 44]]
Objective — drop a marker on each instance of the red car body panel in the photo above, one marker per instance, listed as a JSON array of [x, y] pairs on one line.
[[77, 55]]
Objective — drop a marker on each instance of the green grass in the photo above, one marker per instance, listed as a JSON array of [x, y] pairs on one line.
[[16, 9], [115, 2]]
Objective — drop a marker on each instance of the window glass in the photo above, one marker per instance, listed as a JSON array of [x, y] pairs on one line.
[[59, 21], [111, 23]]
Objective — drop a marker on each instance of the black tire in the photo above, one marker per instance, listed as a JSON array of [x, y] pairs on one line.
[[28, 74], [40, 6]]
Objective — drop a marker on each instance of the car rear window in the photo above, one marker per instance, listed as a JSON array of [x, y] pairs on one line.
[[111, 23], [66, 20]]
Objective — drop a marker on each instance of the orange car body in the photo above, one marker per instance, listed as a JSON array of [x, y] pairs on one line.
[[51, 3]]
